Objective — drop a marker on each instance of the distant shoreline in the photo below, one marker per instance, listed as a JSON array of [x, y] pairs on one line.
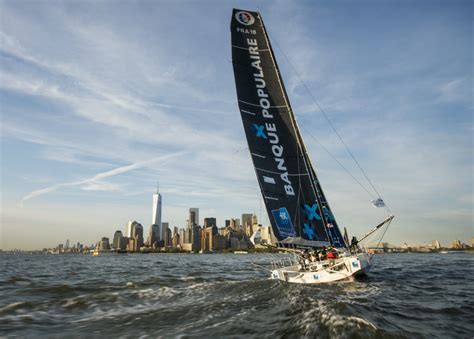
[[239, 252]]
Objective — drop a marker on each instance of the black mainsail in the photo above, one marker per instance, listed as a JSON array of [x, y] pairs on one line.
[[295, 202]]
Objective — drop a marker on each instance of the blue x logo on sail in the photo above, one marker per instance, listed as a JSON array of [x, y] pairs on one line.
[[259, 131], [311, 212], [308, 230]]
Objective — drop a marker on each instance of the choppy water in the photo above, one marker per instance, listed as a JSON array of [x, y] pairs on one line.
[[168, 295]]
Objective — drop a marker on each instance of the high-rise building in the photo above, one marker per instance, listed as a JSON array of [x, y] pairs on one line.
[[176, 240], [235, 224], [137, 235], [227, 223], [103, 244], [164, 228], [156, 216], [168, 238], [266, 235], [246, 219], [456, 243], [196, 235], [209, 222], [124, 243], [187, 236], [193, 217], [117, 242], [436, 244], [153, 235], [208, 238], [254, 219], [131, 246], [128, 229], [224, 231], [254, 224], [247, 223]]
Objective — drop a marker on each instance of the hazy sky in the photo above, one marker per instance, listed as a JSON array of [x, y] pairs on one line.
[[101, 99]]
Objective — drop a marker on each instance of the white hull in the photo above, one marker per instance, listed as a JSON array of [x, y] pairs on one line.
[[345, 268]]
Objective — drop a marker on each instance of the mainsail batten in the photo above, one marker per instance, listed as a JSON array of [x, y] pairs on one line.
[[294, 200]]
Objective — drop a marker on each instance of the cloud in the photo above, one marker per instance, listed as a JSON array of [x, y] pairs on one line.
[[95, 182], [454, 91]]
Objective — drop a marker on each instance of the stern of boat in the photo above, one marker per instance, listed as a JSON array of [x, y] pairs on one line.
[[360, 263]]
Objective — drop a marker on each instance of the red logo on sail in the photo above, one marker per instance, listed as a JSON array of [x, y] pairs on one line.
[[245, 18]]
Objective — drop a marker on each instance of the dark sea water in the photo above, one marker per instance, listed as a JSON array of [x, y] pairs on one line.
[[185, 295]]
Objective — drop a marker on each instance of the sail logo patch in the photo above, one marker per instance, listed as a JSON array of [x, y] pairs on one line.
[[245, 18], [283, 222], [259, 131], [310, 211]]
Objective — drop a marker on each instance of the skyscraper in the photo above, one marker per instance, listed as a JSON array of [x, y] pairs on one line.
[[137, 235], [209, 222], [153, 235], [128, 229], [254, 224], [193, 217], [156, 217], [196, 234], [164, 227], [235, 224], [254, 219], [116, 243], [247, 223], [103, 244], [168, 238]]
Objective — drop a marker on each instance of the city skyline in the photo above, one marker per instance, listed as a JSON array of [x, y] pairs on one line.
[[99, 104], [246, 220]]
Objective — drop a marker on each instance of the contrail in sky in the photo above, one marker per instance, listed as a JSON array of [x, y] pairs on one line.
[[97, 177]]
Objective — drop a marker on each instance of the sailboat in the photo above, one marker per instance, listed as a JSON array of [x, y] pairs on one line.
[[299, 213]]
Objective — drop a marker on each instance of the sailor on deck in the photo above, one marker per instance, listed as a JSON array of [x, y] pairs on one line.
[[332, 256], [322, 254], [354, 244]]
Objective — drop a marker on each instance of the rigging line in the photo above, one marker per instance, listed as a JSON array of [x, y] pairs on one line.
[[327, 118], [297, 214], [297, 207], [383, 234], [340, 164]]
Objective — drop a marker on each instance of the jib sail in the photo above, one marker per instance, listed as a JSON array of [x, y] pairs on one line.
[[296, 205]]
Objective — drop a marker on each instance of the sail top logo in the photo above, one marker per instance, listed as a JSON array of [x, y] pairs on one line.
[[245, 18]]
